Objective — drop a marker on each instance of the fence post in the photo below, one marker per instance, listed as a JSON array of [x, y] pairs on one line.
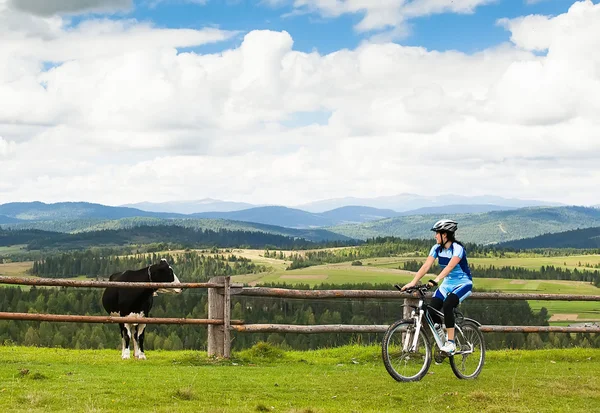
[[216, 307], [227, 318], [407, 309]]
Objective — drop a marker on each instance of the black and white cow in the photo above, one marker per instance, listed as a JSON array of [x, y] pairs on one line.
[[136, 302]]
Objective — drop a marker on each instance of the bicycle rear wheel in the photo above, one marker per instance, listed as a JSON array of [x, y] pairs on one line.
[[402, 360], [469, 357]]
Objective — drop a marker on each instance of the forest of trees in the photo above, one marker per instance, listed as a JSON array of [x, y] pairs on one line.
[[190, 266], [178, 237], [388, 247], [577, 238]]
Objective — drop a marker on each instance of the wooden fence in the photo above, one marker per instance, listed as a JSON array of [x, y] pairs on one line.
[[219, 321]]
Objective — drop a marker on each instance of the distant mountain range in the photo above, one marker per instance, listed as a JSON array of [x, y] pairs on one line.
[[24, 212], [482, 224], [27, 212], [40, 211], [408, 202], [191, 207], [397, 203]]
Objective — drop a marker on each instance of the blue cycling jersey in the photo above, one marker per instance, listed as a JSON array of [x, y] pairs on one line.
[[460, 272]]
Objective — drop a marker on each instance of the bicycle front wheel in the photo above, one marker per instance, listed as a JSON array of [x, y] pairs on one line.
[[404, 358], [469, 357]]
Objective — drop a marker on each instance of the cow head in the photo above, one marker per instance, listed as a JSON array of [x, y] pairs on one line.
[[163, 273]]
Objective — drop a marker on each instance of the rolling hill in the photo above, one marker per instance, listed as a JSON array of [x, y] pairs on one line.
[[76, 227], [141, 235], [484, 228], [40, 211], [577, 238], [457, 209], [9, 220]]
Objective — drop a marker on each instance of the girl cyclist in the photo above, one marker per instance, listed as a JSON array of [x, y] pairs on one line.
[[457, 284]]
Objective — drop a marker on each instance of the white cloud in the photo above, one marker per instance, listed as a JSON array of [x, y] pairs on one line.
[[154, 3], [384, 14], [6, 147], [51, 7], [121, 114]]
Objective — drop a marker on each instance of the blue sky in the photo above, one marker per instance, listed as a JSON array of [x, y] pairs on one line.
[[468, 33]]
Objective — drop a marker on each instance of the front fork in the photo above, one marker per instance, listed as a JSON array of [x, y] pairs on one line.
[[407, 345]]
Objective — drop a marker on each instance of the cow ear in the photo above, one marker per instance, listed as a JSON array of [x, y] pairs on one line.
[[163, 262]]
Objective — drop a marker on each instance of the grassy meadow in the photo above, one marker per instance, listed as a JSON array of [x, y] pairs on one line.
[[267, 379], [581, 262]]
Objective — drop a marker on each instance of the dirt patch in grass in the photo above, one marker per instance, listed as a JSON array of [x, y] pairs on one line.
[[305, 277], [564, 317], [16, 269]]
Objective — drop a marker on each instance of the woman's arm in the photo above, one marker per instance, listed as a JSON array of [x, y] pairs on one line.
[[453, 262], [422, 271]]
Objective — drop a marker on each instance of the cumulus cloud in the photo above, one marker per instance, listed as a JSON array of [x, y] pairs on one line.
[[49, 8], [120, 113], [386, 13], [6, 147]]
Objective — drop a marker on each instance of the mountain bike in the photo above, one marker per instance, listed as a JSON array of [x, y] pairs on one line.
[[407, 352]]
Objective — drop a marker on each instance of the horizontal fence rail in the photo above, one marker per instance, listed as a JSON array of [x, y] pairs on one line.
[[236, 289], [110, 319], [327, 294], [346, 328], [61, 282]]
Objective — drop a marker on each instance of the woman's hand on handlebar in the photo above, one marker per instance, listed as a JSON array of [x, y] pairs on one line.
[[407, 286]]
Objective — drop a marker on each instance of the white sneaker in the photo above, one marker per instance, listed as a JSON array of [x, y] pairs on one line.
[[448, 347]]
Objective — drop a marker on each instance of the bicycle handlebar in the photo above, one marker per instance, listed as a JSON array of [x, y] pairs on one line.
[[421, 289]]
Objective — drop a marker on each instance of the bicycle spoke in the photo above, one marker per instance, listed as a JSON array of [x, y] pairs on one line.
[[468, 360]]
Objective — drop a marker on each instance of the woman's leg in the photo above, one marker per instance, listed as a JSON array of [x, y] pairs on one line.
[[450, 303], [436, 303]]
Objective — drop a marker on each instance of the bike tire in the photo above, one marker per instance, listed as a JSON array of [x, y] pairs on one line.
[[392, 332], [457, 361]]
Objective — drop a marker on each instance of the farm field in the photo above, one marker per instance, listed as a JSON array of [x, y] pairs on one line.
[[13, 249], [345, 379], [534, 263], [15, 269]]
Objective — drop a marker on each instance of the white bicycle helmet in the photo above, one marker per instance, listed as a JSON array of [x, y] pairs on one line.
[[445, 225]]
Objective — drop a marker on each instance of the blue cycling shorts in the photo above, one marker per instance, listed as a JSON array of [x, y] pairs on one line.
[[462, 288]]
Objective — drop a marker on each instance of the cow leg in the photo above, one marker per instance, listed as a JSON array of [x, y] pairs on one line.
[[137, 332], [126, 332], [140, 338], [134, 335]]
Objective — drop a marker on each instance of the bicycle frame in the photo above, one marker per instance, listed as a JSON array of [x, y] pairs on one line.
[[425, 312], [422, 307]]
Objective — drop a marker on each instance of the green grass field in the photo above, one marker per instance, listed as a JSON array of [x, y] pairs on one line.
[[12, 249], [533, 263], [345, 379]]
